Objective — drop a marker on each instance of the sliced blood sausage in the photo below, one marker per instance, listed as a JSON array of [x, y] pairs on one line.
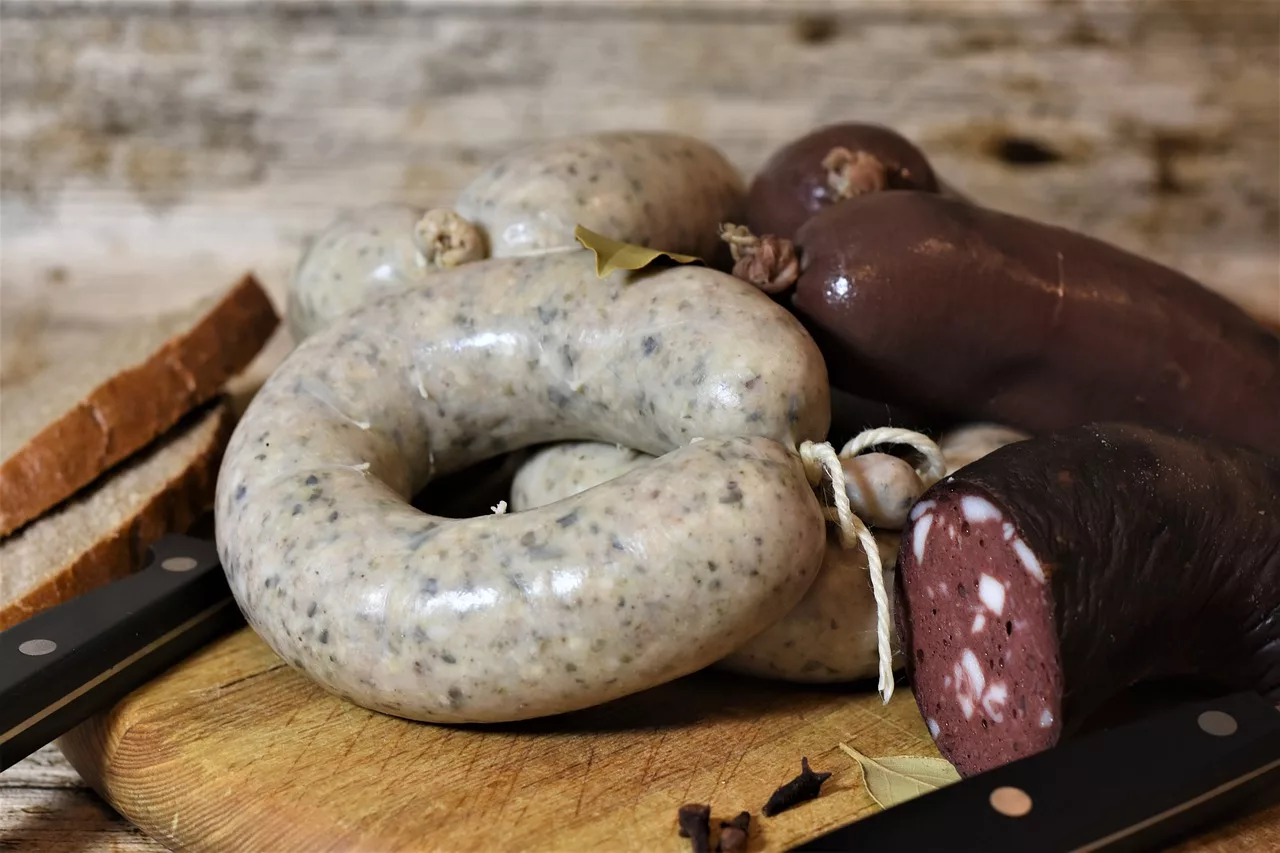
[[799, 180], [1040, 581], [951, 309]]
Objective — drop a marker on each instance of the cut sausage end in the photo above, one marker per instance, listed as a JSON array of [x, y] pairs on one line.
[[977, 620]]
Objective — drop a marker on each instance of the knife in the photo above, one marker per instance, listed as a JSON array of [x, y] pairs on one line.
[[1138, 786], [66, 663], [1127, 788]]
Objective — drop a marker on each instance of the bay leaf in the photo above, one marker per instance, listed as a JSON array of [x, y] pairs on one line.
[[898, 778], [612, 255]]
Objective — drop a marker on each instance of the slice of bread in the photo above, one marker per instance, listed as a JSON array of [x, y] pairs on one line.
[[101, 534], [101, 397]]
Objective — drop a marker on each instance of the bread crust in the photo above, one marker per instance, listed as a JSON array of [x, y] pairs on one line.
[[130, 409], [172, 507]]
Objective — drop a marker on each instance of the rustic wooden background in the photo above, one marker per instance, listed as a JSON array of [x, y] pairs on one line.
[[152, 151]]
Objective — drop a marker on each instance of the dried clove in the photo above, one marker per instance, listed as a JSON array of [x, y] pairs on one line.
[[733, 834], [694, 821], [799, 790]]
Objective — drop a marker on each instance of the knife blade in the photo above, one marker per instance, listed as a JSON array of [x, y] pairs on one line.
[[1132, 787], [63, 665]]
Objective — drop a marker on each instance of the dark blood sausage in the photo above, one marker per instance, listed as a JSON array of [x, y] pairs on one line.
[[1040, 581], [794, 183], [951, 309], [851, 415]]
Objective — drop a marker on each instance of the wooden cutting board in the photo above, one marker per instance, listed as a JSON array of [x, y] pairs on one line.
[[232, 750]]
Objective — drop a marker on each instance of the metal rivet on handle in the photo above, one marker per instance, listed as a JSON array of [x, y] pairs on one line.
[[179, 564], [35, 648], [1010, 801], [1217, 723]]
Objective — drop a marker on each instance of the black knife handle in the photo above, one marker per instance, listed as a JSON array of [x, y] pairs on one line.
[[1134, 787], [64, 664]]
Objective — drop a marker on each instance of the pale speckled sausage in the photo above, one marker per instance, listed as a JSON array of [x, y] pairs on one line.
[[881, 488], [516, 616], [830, 636], [971, 442], [363, 253], [560, 470], [369, 251], [664, 190]]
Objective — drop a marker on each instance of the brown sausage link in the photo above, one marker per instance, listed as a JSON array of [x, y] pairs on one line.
[[968, 313]]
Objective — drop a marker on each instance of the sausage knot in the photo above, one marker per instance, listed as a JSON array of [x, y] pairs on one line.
[[447, 240], [767, 262]]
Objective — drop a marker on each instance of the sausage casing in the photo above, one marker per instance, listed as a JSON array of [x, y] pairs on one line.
[[509, 617], [951, 309], [794, 183], [828, 636], [663, 190], [1040, 581]]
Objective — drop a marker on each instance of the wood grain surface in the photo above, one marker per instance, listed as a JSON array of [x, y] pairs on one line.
[[233, 750]]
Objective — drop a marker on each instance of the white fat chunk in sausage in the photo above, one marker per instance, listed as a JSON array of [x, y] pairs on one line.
[[970, 682], [977, 510], [1008, 531], [1029, 561], [991, 594], [933, 726], [996, 695], [921, 508], [1046, 718], [973, 669], [920, 535], [979, 622]]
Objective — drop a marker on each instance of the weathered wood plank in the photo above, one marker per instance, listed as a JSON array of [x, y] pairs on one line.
[[151, 157], [45, 807]]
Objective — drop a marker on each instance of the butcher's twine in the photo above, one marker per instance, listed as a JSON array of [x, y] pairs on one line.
[[820, 459]]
